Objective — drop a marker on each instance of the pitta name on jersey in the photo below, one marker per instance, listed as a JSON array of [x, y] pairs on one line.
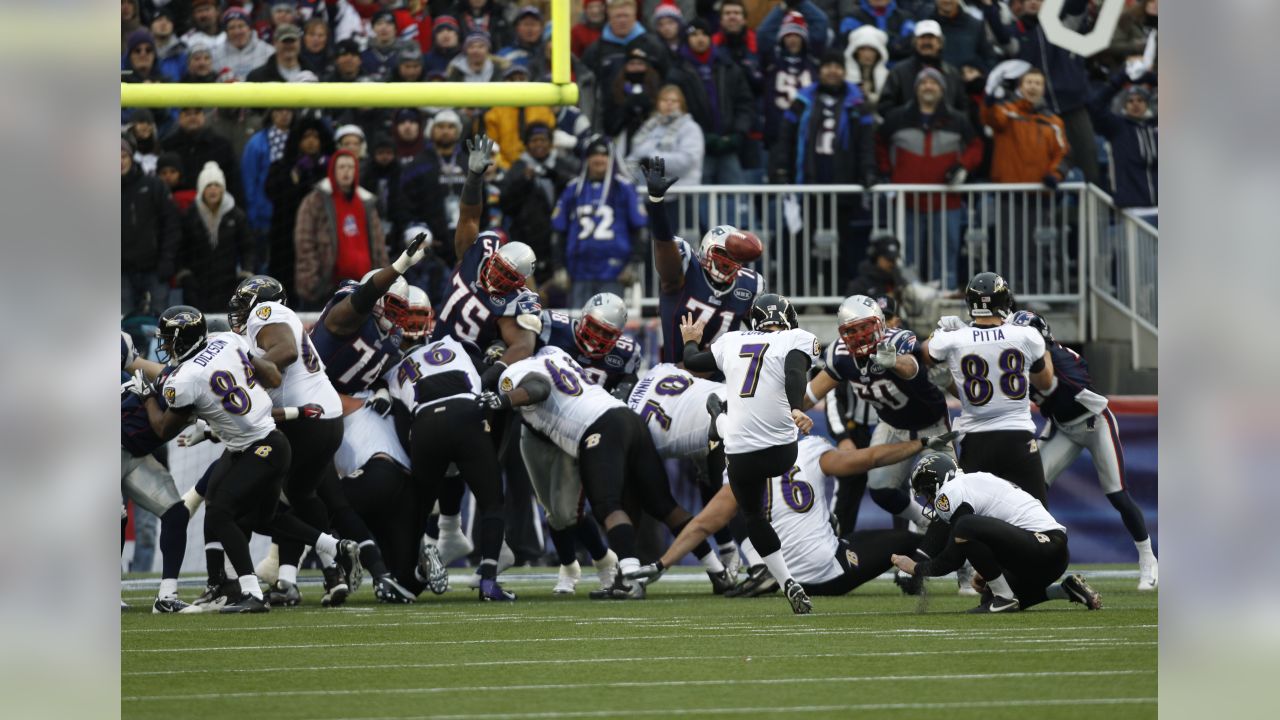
[[987, 334]]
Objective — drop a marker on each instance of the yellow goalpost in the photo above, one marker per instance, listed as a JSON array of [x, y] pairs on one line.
[[560, 91]]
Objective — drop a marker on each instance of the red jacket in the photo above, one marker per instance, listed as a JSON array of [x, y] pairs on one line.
[[910, 152], [581, 36]]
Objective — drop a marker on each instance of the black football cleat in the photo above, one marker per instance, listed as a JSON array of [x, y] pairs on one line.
[[619, 590], [491, 591], [431, 568], [720, 582], [284, 594], [799, 599], [758, 582], [216, 594], [1078, 591], [246, 603], [908, 584], [995, 604], [387, 590], [166, 605], [335, 587], [349, 560]]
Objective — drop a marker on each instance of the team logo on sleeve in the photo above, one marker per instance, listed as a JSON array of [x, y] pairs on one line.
[[817, 347], [507, 385], [170, 395], [851, 557], [942, 504], [263, 312]]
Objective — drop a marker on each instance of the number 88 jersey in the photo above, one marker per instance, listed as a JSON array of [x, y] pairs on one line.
[[905, 404], [219, 385], [990, 366]]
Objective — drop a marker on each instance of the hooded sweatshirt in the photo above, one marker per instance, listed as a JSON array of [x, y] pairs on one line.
[[867, 36], [338, 236]]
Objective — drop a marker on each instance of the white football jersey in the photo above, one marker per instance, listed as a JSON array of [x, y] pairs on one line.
[[432, 373], [755, 383], [800, 513], [219, 384], [574, 404], [990, 366], [305, 380], [365, 433], [993, 497], [673, 404]]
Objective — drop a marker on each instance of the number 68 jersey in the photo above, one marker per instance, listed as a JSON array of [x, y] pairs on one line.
[[913, 404], [574, 404], [219, 384], [990, 367]]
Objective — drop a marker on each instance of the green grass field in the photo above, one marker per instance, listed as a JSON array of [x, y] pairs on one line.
[[681, 652]]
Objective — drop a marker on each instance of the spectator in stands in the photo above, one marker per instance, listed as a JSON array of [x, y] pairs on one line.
[[198, 144], [142, 133], [289, 179], [242, 51], [816, 21], [671, 133], [265, 147], [599, 223], [130, 19], [926, 142], [409, 67], [317, 52], [1137, 24], [965, 43], [529, 191], [347, 62], [587, 31], [1066, 77], [606, 56], [217, 249], [898, 89], [171, 53], [149, 237], [865, 61], [739, 42], [732, 106], [200, 65], [668, 24], [1029, 141], [507, 125], [883, 14], [409, 140], [381, 174], [284, 65], [484, 16], [1133, 139], [378, 59], [879, 273], [204, 25], [169, 171], [446, 40], [631, 100], [475, 63], [280, 12], [528, 50], [791, 68], [350, 137], [433, 182], [338, 235], [140, 58]]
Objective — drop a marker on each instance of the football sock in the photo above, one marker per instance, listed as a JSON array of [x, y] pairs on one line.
[[249, 585], [168, 587], [124, 525], [589, 536], [371, 558], [1000, 586], [289, 574], [728, 547], [449, 523], [1130, 514], [1056, 592], [492, 528], [622, 538], [192, 499], [219, 524], [914, 513], [327, 548], [628, 564], [173, 539], [450, 497], [777, 567], [1144, 549], [213, 560], [488, 569], [711, 563], [565, 543], [749, 553]]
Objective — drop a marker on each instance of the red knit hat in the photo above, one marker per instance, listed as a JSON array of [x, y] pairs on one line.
[[668, 8], [794, 23]]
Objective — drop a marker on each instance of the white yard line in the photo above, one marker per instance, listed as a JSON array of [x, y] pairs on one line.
[[629, 659], [631, 684]]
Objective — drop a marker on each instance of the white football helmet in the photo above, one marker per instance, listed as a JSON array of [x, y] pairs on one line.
[[392, 308], [507, 269], [860, 322], [603, 318], [420, 318], [719, 265]]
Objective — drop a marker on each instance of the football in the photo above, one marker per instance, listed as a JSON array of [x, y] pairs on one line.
[[744, 246]]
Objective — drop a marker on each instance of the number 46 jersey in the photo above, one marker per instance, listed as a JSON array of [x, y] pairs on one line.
[[433, 373], [990, 365], [913, 404]]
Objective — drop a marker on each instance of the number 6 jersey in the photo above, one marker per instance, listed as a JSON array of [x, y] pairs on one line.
[[574, 404], [753, 362], [990, 366], [220, 386], [913, 404]]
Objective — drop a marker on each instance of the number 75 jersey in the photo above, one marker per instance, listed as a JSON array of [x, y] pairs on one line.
[[913, 404], [990, 367]]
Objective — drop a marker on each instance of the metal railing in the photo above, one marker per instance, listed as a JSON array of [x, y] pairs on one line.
[[1124, 273]]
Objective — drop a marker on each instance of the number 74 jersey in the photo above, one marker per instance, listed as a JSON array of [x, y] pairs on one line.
[[990, 366]]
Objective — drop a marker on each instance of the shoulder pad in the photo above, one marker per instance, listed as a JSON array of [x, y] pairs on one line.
[[531, 322]]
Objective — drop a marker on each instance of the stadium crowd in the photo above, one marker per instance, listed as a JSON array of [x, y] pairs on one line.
[[729, 92]]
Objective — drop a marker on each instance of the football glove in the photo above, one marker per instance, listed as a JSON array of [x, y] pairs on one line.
[[380, 402], [491, 400], [938, 442]]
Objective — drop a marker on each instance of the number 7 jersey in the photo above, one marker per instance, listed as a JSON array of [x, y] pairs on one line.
[[754, 365], [990, 366]]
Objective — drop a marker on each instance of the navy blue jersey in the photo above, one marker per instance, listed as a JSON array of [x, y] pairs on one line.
[[622, 361], [354, 362], [136, 435], [912, 404], [470, 313], [1073, 379], [722, 311]]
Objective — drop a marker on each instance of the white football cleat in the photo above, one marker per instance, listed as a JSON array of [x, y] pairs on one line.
[[606, 569], [268, 568], [732, 561], [569, 577], [964, 580], [1148, 574], [454, 544]]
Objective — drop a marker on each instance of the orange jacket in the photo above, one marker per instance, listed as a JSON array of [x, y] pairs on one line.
[[1028, 143], [503, 124]]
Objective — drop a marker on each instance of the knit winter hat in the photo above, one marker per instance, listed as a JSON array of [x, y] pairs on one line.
[[447, 117], [445, 22], [697, 24], [348, 130], [931, 73], [668, 9], [211, 174], [478, 36], [235, 13], [169, 160], [794, 24], [141, 36]]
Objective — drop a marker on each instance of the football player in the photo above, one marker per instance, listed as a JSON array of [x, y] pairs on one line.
[[799, 512], [718, 294], [615, 454], [1077, 418], [765, 371], [994, 364], [880, 365], [217, 380], [1017, 548]]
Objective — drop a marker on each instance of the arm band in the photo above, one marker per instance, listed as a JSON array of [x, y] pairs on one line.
[[365, 297], [471, 189], [537, 388], [797, 374], [658, 221], [290, 413], [1038, 365], [489, 380], [808, 392]]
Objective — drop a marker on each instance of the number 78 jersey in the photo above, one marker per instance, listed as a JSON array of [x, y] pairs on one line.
[[673, 404], [990, 366]]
